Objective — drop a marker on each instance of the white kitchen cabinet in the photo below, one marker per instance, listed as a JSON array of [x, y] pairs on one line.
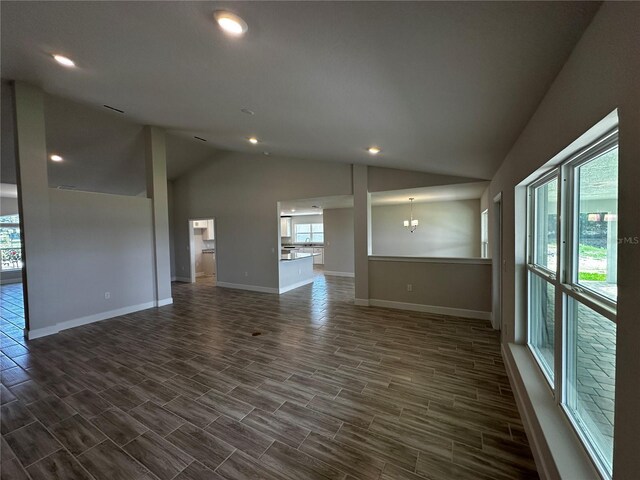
[[318, 258], [285, 226], [209, 232]]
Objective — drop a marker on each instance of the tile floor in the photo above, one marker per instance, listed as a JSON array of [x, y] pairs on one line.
[[326, 390]]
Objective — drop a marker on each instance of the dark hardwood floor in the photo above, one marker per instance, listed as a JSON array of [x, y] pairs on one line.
[[228, 384]]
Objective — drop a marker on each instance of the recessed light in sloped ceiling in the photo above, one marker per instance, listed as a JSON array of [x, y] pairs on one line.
[[230, 23]]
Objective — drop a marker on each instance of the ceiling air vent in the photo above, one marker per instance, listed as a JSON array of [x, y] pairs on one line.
[[113, 108]]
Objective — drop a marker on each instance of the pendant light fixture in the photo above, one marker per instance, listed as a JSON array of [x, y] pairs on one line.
[[411, 224]]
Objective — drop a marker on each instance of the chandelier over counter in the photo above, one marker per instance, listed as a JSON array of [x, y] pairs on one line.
[[411, 224]]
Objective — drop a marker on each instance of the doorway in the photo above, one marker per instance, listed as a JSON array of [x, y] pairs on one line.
[[202, 251], [497, 263]]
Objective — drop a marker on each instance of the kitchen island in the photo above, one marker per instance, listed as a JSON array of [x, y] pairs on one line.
[[296, 270]]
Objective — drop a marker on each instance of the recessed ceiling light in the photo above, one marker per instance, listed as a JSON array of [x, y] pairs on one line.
[[373, 150], [247, 111], [266, 153], [62, 60], [253, 140], [293, 210], [230, 23], [55, 158]]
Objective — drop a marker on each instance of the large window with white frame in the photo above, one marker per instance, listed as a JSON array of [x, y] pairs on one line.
[[572, 289]]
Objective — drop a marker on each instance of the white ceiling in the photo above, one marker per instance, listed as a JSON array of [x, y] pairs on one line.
[[443, 87], [440, 193]]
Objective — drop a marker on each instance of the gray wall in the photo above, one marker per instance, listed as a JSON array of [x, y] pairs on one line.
[[437, 284], [102, 243], [446, 229], [338, 240], [241, 191], [602, 74]]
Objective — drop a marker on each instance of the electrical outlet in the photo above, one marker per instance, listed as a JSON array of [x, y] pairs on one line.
[[409, 287], [107, 295]]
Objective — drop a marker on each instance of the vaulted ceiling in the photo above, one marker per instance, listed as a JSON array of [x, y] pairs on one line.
[[442, 87]]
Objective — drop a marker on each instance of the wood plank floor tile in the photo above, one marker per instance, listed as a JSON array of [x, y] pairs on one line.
[[390, 450], [240, 466], [58, 465], [197, 471], [13, 470], [347, 459], [240, 435], [281, 429], [118, 426], [308, 418], [156, 418], [327, 390], [204, 447], [77, 434], [295, 464], [192, 411], [14, 415], [162, 458], [32, 443], [108, 462]]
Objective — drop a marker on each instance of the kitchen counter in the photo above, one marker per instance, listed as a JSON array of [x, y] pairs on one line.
[[296, 256]]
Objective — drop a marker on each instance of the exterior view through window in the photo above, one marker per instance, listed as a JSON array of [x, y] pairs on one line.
[[572, 284], [10, 245], [309, 233]]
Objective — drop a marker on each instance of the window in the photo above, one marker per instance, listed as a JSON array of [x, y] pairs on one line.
[[572, 289], [542, 268], [309, 233], [484, 234], [10, 243]]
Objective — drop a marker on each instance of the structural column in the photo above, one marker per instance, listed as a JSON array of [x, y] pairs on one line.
[[361, 233], [33, 185], [156, 166]]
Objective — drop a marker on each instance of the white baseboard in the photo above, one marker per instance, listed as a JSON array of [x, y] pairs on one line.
[[77, 322], [251, 288], [339, 274], [418, 307], [183, 279], [556, 448], [361, 302], [295, 285], [165, 301]]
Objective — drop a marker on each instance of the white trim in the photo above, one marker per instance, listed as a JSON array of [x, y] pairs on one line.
[[251, 288], [339, 274], [77, 322], [40, 332], [295, 285], [468, 261], [361, 302], [164, 301], [418, 307], [183, 279], [556, 448]]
